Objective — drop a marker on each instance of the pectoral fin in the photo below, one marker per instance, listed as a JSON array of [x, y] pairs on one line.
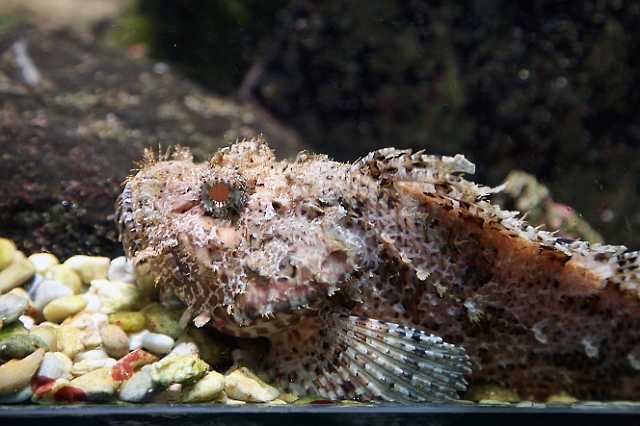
[[353, 357]]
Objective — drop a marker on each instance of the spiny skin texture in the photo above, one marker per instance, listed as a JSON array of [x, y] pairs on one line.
[[398, 237]]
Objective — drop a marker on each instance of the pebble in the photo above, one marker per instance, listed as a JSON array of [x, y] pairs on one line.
[[138, 388], [89, 323], [206, 389], [59, 309], [66, 276], [92, 354], [243, 385], [7, 252], [49, 290], [184, 348], [114, 340], [93, 302], [16, 274], [115, 296], [135, 340], [129, 321], [162, 320], [156, 343], [12, 305], [561, 398], [89, 268], [17, 397], [126, 365], [121, 269], [19, 345], [47, 336], [33, 286], [27, 321], [55, 365], [490, 392], [178, 369], [16, 374], [43, 261], [69, 340], [83, 367], [97, 385]]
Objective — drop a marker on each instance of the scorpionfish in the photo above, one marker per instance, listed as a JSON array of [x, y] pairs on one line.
[[390, 278]]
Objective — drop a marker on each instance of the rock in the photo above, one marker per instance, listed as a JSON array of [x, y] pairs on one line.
[[98, 385], [561, 398], [63, 307], [89, 268], [16, 274], [125, 366], [17, 397], [490, 392], [139, 388], [27, 321], [121, 269], [12, 305], [206, 389], [93, 302], [116, 296], [16, 374], [89, 324], [69, 340], [86, 366], [156, 343], [55, 365], [114, 340], [43, 261], [162, 320], [129, 321], [19, 346], [65, 275], [7, 252], [135, 340], [243, 385], [181, 369], [11, 329], [49, 290], [185, 348], [170, 395], [64, 175], [47, 336], [92, 354]]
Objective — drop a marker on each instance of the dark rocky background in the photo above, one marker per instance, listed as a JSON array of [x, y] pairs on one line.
[[549, 87]]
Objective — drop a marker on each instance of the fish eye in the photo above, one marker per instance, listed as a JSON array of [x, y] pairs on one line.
[[223, 195]]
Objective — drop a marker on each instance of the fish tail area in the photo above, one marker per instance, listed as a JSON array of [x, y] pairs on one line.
[[367, 359], [626, 272]]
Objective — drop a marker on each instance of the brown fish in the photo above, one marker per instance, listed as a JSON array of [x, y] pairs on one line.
[[373, 280]]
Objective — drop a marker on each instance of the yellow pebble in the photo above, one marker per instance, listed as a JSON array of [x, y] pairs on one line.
[[89, 267], [59, 309], [65, 275], [7, 251], [69, 340], [16, 274], [491, 392], [43, 261], [17, 374], [47, 335], [561, 398], [129, 321]]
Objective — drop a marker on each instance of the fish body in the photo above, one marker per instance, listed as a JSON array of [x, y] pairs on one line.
[[391, 278]]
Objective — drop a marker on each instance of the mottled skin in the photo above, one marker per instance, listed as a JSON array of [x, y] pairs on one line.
[[395, 237]]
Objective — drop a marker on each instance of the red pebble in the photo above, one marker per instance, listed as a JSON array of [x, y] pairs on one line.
[[70, 394], [41, 385]]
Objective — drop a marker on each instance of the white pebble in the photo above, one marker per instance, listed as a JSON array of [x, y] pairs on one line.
[[121, 269], [48, 291], [43, 261], [88, 365], [157, 343], [135, 340], [55, 365], [185, 348], [115, 296], [27, 321], [33, 285], [139, 387], [93, 302], [92, 354]]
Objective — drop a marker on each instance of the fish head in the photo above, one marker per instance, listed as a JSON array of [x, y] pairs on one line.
[[244, 238]]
